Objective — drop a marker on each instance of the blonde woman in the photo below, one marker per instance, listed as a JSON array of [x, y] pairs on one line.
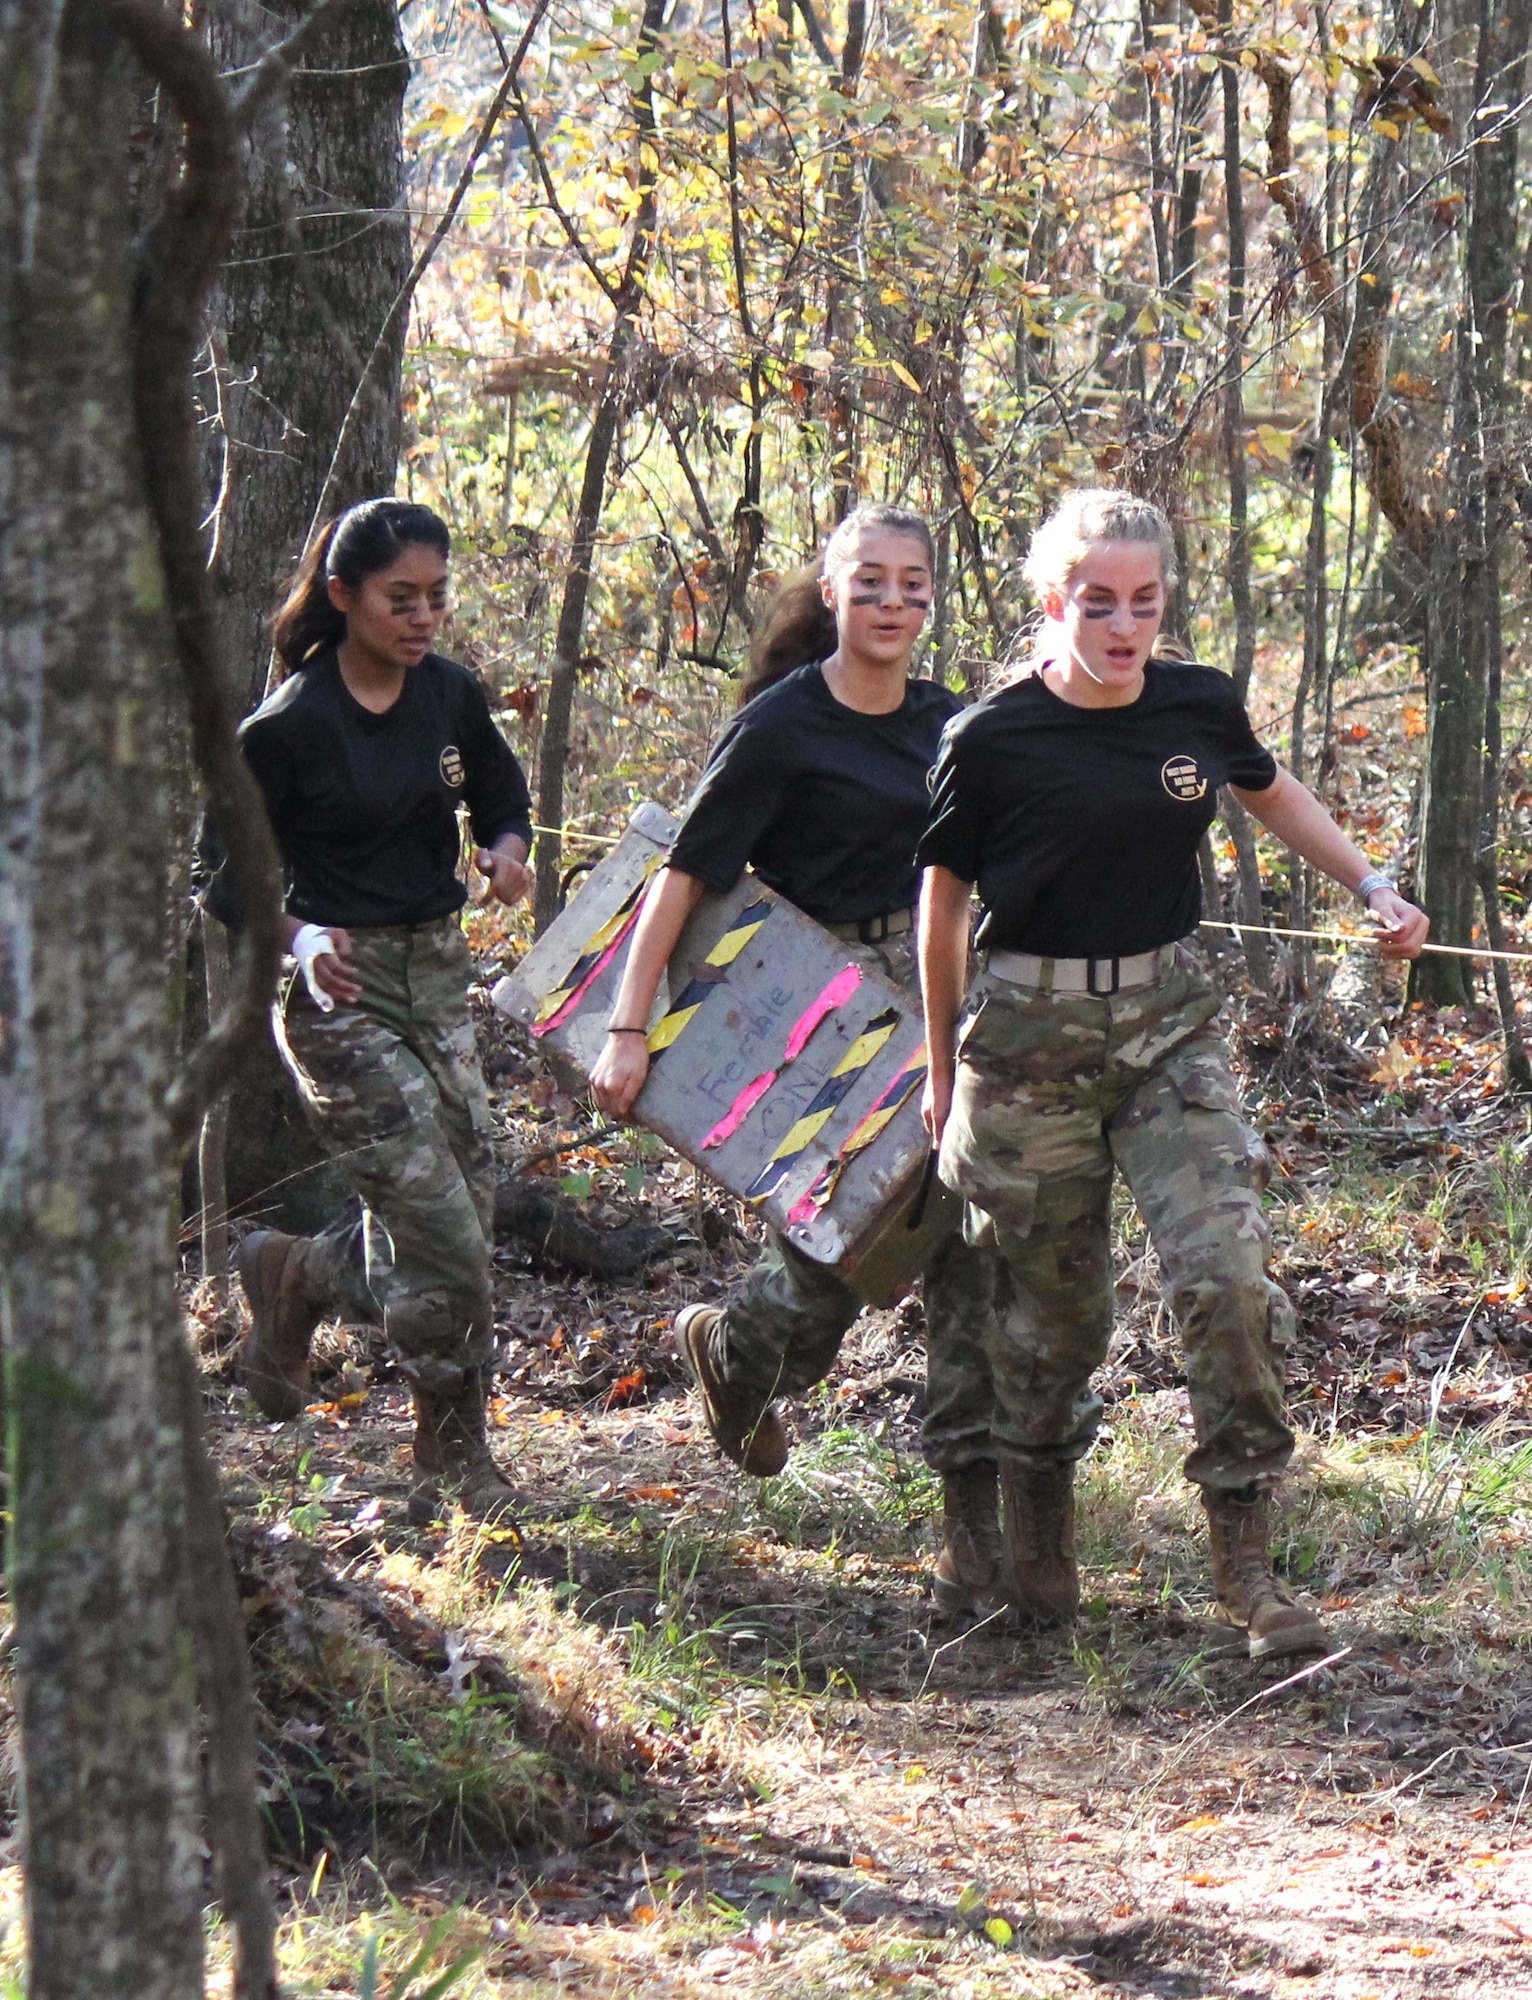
[[1075, 799]]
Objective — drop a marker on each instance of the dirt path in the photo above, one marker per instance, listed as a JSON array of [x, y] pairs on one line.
[[854, 1799]]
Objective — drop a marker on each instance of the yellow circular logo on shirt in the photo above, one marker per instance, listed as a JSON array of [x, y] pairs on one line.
[[451, 766], [1182, 779]]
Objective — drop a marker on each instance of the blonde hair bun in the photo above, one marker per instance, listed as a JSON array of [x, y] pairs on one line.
[[1090, 515]]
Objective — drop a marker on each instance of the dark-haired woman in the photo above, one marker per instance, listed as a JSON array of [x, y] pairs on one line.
[[365, 753], [820, 785]]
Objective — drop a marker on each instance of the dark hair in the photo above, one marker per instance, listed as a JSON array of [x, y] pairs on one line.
[[364, 540], [798, 625]]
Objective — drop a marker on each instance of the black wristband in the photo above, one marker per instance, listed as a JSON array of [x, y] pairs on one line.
[[629, 1031]]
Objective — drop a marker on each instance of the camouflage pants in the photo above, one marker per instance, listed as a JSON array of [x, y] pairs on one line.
[[1053, 1093], [392, 1087], [784, 1329]]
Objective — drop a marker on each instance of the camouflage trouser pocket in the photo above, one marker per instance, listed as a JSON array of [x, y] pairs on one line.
[[976, 1162], [1204, 1082]]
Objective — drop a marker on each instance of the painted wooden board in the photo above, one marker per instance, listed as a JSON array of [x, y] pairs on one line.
[[780, 1064]]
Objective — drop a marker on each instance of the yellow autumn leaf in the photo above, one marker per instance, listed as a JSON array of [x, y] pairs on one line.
[[905, 376], [1146, 321], [1394, 1065], [1277, 444]]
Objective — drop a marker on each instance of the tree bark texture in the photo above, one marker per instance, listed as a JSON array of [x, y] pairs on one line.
[[105, 1672], [1463, 644], [322, 252]]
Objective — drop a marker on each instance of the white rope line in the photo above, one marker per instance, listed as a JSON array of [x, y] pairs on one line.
[[1358, 939]]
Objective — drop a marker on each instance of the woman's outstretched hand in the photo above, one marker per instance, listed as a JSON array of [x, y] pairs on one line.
[[1401, 927]]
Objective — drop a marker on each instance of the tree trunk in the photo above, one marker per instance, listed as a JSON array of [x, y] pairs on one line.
[[1464, 604], [627, 298], [105, 1674], [1237, 573], [842, 315], [322, 252]]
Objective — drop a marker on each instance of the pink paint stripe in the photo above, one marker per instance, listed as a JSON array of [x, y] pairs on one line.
[[805, 1208], [569, 1006], [836, 994], [739, 1110]]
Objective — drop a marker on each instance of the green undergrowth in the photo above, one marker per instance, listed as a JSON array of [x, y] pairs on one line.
[[345, 1941], [432, 1708], [1409, 1214]]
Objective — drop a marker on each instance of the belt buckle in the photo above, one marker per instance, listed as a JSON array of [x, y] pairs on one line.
[[1102, 992], [873, 930]]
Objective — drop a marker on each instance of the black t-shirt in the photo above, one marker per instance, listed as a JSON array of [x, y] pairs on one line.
[[823, 802], [1081, 825], [364, 806]]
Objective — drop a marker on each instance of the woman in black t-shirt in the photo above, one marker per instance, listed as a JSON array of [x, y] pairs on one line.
[[820, 784], [1076, 799], [364, 754]]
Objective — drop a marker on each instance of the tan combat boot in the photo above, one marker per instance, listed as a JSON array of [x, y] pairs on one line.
[[284, 1311], [742, 1428], [453, 1462], [1249, 1596], [970, 1571], [1040, 1540]]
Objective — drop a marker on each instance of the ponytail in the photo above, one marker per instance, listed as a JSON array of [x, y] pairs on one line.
[[358, 545], [797, 629], [307, 622]]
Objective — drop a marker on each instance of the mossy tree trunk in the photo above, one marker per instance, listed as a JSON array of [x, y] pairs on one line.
[[322, 252], [105, 1676]]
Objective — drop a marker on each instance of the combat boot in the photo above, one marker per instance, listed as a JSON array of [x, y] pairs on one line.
[[970, 1580], [743, 1428], [1040, 1540], [1249, 1596], [285, 1308], [453, 1462]]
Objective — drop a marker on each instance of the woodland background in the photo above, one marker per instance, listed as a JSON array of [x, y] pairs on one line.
[[643, 299]]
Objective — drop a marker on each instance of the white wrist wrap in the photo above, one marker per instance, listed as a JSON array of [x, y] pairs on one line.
[[314, 941]]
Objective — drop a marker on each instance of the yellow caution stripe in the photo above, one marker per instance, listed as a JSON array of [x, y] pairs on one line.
[[692, 995], [892, 1100], [593, 954], [825, 1102]]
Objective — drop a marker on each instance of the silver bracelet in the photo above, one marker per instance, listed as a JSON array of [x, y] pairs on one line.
[[1368, 883]]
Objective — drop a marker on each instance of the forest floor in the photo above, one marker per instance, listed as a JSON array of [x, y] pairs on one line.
[[692, 1732]]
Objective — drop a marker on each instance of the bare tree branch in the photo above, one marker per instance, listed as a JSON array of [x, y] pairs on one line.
[[178, 262], [566, 222], [508, 87]]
